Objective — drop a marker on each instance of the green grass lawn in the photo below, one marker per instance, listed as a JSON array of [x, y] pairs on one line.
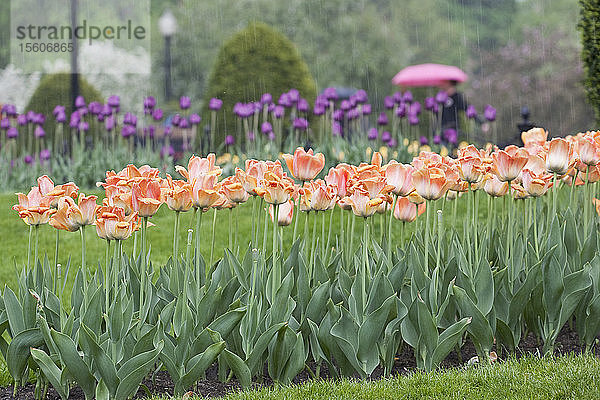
[[568, 377]]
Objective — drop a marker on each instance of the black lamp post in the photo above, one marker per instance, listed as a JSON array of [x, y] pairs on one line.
[[167, 24]]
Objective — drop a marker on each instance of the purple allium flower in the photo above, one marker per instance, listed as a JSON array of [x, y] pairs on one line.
[[167, 151], [366, 109], [471, 112], [278, 111], [413, 119], [266, 128], [45, 155], [109, 123], [407, 96], [423, 140], [130, 119], [441, 97], [382, 119], [157, 114], [195, 119], [251, 136], [489, 113], [345, 105], [300, 124], [294, 95], [415, 108], [183, 123], [215, 104], [106, 110], [150, 131], [229, 140], [113, 101], [74, 121], [127, 131], [386, 136], [28, 159], [176, 119], [30, 115], [321, 101], [245, 110], [79, 101], [451, 135], [361, 96], [401, 110], [372, 134], [303, 105], [353, 114], [84, 126], [185, 102], [388, 102], [149, 103], [392, 142], [429, 103], [437, 139], [330, 93], [61, 117], [167, 131], [58, 109], [338, 115], [256, 107], [336, 129], [9, 109], [284, 100], [318, 109], [397, 96], [39, 132], [12, 133], [82, 111], [271, 136], [95, 108], [271, 107], [4, 123], [100, 117], [266, 98]]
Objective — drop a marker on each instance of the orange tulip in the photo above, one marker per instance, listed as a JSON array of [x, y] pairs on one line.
[[361, 203], [400, 177], [115, 225], [233, 189], [588, 150], [70, 216], [33, 208], [430, 183], [320, 196], [494, 187], [519, 191], [536, 184], [426, 158], [406, 211], [198, 166], [471, 169], [146, 197], [560, 158], [304, 165], [509, 162], [180, 197], [534, 136], [285, 213], [338, 176], [275, 189]]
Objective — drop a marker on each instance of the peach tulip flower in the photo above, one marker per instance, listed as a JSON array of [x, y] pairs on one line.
[[406, 211], [304, 165], [430, 183], [33, 208], [180, 197], [338, 176], [471, 169], [318, 195], [536, 184], [494, 187], [560, 156], [400, 177], [518, 191], [146, 197], [596, 203], [285, 213], [70, 216], [361, 203], [233, 189], [509, 162], [198, 167], [275, 189], [534, 136], [118, 226], [588, 150]]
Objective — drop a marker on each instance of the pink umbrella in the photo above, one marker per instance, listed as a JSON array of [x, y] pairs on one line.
[[428, 75]]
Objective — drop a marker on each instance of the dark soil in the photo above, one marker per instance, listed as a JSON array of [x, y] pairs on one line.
[[567, 342]]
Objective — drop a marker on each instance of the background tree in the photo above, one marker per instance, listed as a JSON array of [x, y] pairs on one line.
[[589, 26]]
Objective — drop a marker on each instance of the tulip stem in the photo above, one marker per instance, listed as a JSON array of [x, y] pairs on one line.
[[306, 226], [197, 253], [296, 215], [323, 247], [37, 234], [237, 224], [427, 219], [107, 278], [439, 239], [586, 202], [389, 232], [535, 228], [55, 286], [175, 236], [342, 236], [554, 194], [328, 252], [212, 246], [252, 238], [143, 268], [264, 245], [312, 247], [83, 267], [275, 268], [230, 230], [365, 266]]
